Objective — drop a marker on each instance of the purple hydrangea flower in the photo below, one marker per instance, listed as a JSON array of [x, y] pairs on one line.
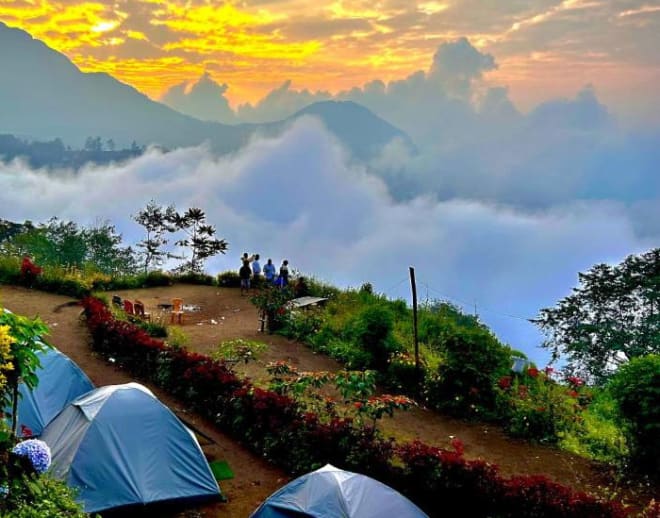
[[37, 451]]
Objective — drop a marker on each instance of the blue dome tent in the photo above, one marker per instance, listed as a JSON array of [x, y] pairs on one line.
[[60, 382], [120, 446], [330, 492]]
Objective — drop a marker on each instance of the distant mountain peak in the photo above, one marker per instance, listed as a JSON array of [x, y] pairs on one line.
[[364, 132]]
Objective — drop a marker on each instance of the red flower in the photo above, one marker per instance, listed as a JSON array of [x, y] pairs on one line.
[[533, 372], [504, 382], [25, 431], [358, 405]]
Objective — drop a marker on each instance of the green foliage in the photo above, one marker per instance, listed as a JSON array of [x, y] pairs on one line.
[[354, 358], [612, 316], [10, 269], [597, 435], [157, 278], [272, 303], [472, 362], [371, 330], [238, 350], [33, 496], [317, 288], [155, 329], [59, 243], [157, 222], [229, 279], [303, 324], [636, 390], [201, 279], [199, 237], [540, 408], [27, 341], [177, 339]]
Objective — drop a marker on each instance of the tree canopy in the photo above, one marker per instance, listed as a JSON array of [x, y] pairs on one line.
[[610, 318]]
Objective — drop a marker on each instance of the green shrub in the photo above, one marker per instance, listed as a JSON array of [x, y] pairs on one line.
[[177, 339], [636, 391], [371, 331], [401, 374], [354, 358], [473, 360], [196, 278], [229, 279], [597, 436], [536, 407], [302, 324], [154, 329], [10, 269], [32, 496], [157, 278], [319, 288]]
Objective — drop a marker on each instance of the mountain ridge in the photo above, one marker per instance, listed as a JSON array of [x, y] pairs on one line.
[[73, 105]]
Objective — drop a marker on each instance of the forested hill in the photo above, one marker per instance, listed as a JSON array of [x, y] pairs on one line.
[[54, 154]]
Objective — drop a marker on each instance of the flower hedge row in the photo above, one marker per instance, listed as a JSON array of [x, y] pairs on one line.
[[276, 427]]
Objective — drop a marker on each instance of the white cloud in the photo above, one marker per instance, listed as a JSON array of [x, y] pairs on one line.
[[296, 197]]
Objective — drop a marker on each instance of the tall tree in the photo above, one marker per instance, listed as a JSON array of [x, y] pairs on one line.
[[200, 238], [610, 318], [157, 221], [104, 250]]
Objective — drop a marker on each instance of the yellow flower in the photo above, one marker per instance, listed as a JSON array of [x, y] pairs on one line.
[[6, 340]]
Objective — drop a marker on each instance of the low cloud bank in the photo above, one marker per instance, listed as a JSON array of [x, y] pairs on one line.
[[297, 197], [474, 143]]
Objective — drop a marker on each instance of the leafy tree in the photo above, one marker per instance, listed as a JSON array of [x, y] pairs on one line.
[[104, 250], [610, 318], [200, 238], [158, 221], [636, 389], [93, 144], [55, 243], [63, 243]]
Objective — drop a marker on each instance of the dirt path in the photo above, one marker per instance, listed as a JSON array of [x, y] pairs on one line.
[[255, 480], [222, 314]]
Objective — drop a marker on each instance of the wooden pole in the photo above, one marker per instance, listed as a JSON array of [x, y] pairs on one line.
[[414, 301]]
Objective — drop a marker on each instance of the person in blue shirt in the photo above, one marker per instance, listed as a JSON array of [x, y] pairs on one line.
[[269, 271], [256, 267]]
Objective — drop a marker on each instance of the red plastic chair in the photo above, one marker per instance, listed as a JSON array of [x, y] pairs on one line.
[[128, 307]]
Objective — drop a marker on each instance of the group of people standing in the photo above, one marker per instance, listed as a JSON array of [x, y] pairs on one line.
[[251, 269]]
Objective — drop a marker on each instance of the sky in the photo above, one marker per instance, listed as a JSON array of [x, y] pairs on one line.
[[544, 48]]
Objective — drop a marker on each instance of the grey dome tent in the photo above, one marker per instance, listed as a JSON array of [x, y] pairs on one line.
[[330, 492], [119, 446], [60, 382]]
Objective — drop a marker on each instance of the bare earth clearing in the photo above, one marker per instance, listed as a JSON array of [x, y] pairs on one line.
[[223, 315]]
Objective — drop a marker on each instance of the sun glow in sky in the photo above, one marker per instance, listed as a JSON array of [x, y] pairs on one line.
[[543, 47]]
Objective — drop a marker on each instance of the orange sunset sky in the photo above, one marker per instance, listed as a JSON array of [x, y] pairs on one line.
[[543, 48]]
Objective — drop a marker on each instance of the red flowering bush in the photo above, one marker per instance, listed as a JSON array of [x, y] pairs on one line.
[[29, 272], [539, 408]]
